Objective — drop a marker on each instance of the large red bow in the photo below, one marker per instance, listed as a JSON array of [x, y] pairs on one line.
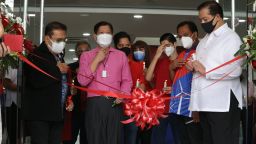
[[145, 108]]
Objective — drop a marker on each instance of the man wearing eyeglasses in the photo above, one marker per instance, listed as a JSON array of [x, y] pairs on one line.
[[44, 99]]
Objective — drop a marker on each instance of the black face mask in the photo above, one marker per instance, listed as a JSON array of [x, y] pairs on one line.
[[126, 50], [208, 27]]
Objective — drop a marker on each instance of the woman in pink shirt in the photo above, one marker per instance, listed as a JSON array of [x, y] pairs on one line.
[[99, 67]]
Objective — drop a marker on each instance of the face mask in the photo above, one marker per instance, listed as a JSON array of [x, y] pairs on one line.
[[208, 27], [57, 47], [169, 50], [139, 55], [126, 50], [187, 42], [104, 40]]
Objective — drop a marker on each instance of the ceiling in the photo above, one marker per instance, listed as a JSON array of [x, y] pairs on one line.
[[152, 24]]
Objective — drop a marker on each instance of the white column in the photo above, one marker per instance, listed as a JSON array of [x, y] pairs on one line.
[[41, 20], [233, 9], [25, 15]]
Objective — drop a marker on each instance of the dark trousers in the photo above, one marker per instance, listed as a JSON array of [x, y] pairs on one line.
[[13, 123], [222, 127], [247, 124], [130, 133], [103, 121], [159, 132], [78, 127], [45, 132], [185, 131], [144, 136]]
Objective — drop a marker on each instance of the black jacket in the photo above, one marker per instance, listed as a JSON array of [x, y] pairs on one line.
[[42, 97]]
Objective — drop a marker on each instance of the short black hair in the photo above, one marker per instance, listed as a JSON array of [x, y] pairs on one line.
[[213, 6], [168, 36], [82, 43], [191, 25], [102, 23], [54, 26], [119, 36]]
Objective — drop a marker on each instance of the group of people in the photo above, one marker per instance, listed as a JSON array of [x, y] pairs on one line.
[[204, 107]]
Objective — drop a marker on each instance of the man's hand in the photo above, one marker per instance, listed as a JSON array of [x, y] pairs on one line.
[[70, 106], [118, 101], [101, 55], [198, 67], [63, 67], [195, 116], [160, 50], [189, 66], [167, 90], [177, 63]]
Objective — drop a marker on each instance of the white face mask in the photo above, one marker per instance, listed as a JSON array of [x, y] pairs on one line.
[[187, 42], [57, 47], [104, 40], [169, 50]]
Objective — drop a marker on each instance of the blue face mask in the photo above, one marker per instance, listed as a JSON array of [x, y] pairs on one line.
[[139, 55]]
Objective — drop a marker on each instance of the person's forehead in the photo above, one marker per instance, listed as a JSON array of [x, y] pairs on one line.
[[59, 32], [124, 40], [184, 29], [204, 12], [104, 27]]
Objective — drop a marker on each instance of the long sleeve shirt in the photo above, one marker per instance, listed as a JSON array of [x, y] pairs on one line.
[[118, 75], [213, 50]]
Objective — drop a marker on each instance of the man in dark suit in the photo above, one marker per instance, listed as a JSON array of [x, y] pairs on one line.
[[43, 101]]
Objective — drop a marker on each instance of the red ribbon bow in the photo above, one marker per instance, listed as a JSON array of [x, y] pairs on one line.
[[145, 108]]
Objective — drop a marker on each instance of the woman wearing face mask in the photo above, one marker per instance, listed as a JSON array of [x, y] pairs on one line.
[[139, 63], [159, 74]]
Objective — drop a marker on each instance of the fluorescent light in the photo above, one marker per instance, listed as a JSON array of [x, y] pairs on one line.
[[138, 16], [31, 15], [75, 59], [71, 50], [84, 15], [242, 20], [86, 34], [225, 18]]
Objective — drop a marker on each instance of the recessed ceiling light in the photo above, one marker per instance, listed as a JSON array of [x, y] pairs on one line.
[[84, 14], [242, 20], [86, 34], [31, 15], [225, 18], [71, 50], [138, 16], [75, 59]]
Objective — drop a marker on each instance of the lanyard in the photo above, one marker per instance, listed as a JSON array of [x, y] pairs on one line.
[[105, 61], [186, 54]]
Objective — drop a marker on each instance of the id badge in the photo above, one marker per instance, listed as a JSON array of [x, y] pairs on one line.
[[104, 74]]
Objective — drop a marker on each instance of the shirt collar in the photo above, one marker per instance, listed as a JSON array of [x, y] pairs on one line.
[[220, 30]]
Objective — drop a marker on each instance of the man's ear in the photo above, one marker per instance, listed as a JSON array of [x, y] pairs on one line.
[[95, 37], [195, 36], [47, 40]]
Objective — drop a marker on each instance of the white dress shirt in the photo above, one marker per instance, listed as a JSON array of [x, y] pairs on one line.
[[11, 96], [213, 50]]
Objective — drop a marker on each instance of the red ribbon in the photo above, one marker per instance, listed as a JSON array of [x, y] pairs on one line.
[[99, 92], [144, 108]]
